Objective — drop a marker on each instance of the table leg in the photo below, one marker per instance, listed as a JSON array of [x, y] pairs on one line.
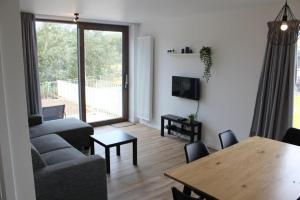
[[92, 145], [199, 133], [169, 127], [118, 150], [107, 158], [134, 145], [162, 128], [192, 133]]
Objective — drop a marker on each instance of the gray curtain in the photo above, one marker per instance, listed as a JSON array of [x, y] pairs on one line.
[[31, 63], [274, 103]]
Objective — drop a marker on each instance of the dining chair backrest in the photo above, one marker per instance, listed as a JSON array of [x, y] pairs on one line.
[[177, 195], [292, 136], [194, 151], [227, 139]]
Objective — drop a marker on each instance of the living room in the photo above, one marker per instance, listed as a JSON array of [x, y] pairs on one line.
[[235, 96]]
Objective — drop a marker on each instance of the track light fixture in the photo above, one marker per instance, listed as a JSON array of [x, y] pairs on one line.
[[76, 17]]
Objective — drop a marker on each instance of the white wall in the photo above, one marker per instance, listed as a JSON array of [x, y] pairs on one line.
[[14, 134], [238, 40]]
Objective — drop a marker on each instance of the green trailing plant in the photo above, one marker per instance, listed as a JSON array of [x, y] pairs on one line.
[[205, 56]]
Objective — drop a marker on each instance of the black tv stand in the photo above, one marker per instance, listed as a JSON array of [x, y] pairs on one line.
[[181, 125]]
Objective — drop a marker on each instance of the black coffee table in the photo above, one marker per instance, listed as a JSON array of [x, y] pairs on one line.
[[113, 139]]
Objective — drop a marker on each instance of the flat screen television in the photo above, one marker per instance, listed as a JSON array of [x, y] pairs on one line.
[[186, 87]]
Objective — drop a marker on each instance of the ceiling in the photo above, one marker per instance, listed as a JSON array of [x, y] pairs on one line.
[[133, 10]]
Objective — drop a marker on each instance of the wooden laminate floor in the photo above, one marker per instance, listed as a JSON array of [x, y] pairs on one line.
[[146, 181]]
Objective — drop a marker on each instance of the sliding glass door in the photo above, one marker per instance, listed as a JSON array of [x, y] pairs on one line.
[[84, 67], [104, 61]]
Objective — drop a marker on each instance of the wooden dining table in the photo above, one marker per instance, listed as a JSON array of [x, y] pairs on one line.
[[255, 169]]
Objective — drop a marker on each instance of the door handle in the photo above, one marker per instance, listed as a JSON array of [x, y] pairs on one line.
[[126, 81]]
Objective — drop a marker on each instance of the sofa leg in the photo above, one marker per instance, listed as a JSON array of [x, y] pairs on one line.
[[92, 148]]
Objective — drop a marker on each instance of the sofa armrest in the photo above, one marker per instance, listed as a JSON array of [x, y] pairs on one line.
[[34, 120], [78, 179]]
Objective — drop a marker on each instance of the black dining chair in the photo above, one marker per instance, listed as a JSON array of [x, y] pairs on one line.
[[53, 112], [292, 136], [177, 195], [194, 151], [227, 139]]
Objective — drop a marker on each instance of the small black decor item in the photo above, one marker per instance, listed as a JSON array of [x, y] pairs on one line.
[[182, 51], [171, 51], [284, 30], [205, 56], [187, 49]]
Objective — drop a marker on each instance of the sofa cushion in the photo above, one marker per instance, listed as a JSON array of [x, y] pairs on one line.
[[48, 143], [37, 161], [61, 155], [34, 120], [75, 131]]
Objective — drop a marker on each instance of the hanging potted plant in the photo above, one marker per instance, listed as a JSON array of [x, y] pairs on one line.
[[205, 56]]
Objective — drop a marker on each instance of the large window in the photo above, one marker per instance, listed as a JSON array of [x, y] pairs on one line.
[[83, 68], [58, 66], [296, 117]]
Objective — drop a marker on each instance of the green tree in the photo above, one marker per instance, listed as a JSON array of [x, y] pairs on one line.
[[57, 52]]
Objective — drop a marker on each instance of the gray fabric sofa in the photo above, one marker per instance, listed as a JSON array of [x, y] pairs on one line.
[[61, 172], [74, 131]]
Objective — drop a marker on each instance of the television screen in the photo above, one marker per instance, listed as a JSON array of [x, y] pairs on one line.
[[186, 87]]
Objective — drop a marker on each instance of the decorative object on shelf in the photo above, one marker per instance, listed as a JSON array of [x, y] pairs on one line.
[[76, 17], [284, 25], [192, 118], [182, 51], [205, 56], [187, 49], [171, 51]]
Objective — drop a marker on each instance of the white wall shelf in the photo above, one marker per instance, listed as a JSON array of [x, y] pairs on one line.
[[184, 54]]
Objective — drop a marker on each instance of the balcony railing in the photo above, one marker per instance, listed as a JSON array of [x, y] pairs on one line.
[[102, 96]]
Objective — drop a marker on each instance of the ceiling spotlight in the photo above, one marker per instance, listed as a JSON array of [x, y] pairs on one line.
[[76, 17]]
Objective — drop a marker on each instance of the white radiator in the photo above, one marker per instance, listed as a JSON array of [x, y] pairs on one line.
[[144, 77]]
